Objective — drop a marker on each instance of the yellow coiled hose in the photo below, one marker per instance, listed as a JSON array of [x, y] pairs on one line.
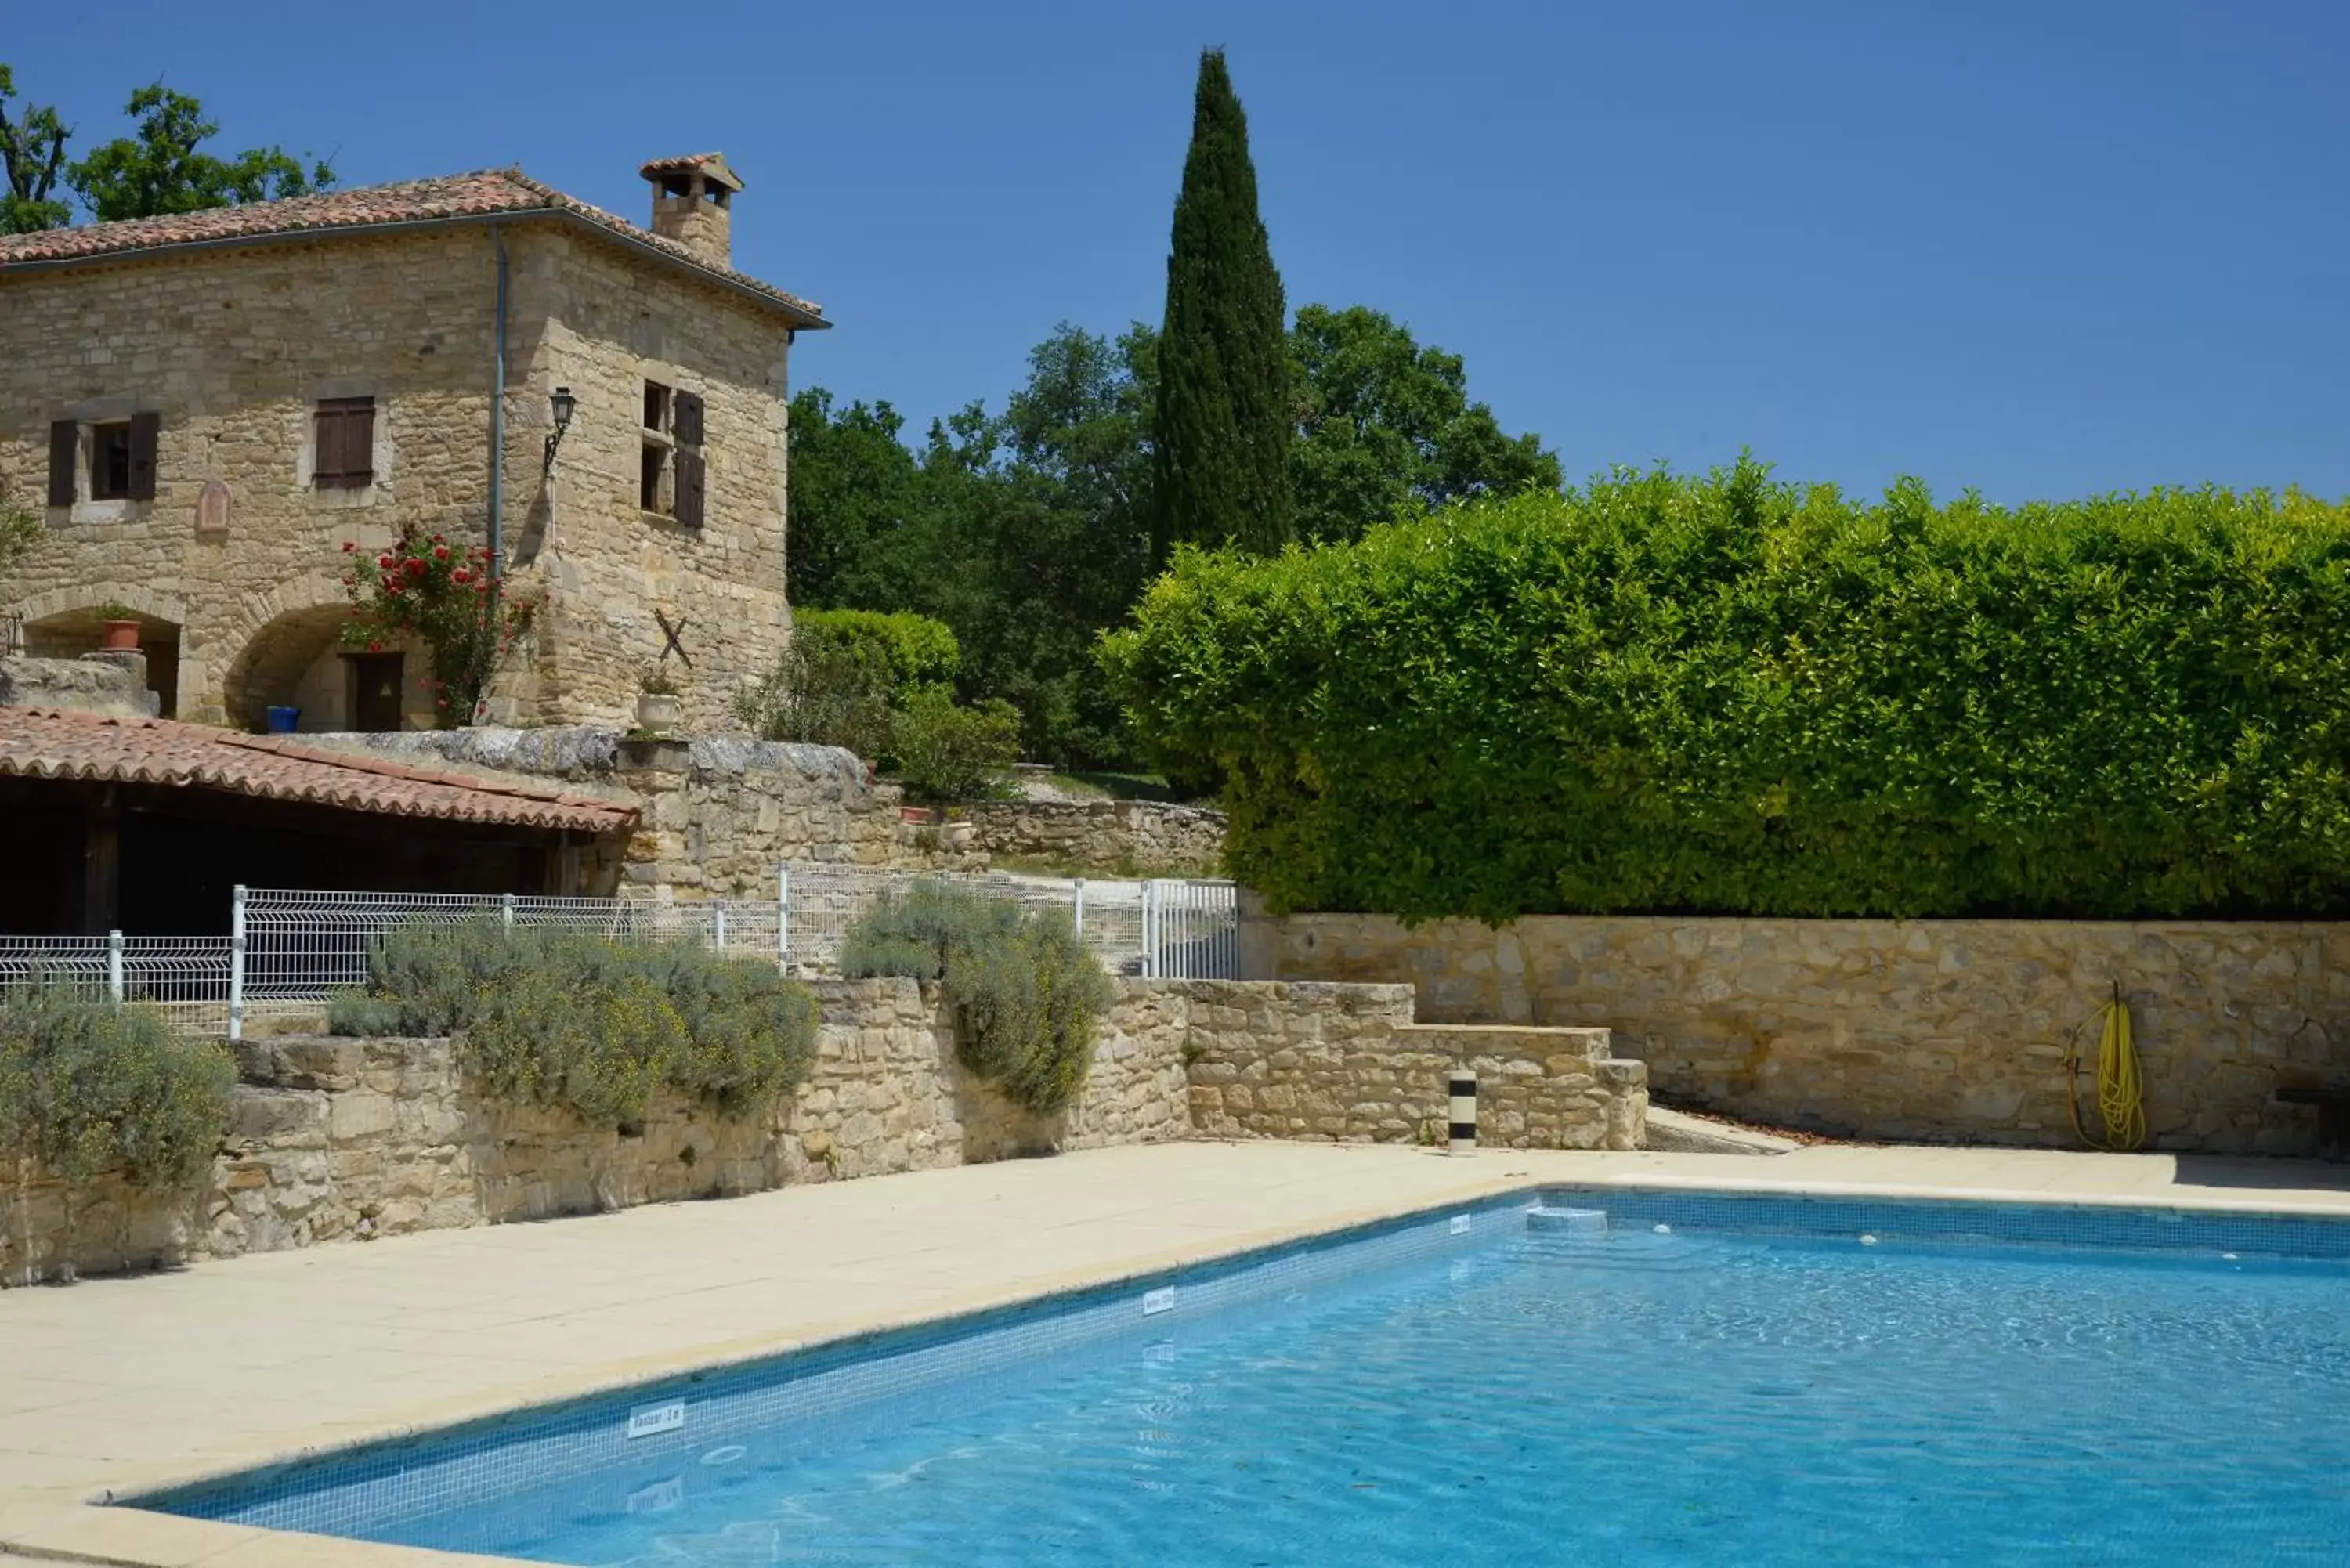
[[2121, 1092]]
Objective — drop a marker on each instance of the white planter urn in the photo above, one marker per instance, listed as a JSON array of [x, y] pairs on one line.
[[659, 710]]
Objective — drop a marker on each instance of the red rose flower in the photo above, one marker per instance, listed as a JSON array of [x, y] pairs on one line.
[[349, 544], [439, 551], [384, 562], [415, 567], [458, 575], [375, 648]]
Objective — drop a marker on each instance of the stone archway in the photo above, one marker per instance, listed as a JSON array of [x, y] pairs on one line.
[[68, 623], [286, 664]]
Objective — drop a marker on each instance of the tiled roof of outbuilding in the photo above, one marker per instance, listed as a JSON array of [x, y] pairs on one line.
[[485, 194], [60, 743]]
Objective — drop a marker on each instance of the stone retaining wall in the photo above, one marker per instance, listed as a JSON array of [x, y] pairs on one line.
[[1953, 1030], [340, 1139], [1102, 837], [721, 812], [1347, 1062]]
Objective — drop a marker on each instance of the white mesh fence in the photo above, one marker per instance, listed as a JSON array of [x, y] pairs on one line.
[[291, 950], [302, 946], [1176, 930], [187, 977]]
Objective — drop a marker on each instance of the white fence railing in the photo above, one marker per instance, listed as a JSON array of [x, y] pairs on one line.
[[1172, 929], [188, 977], [291, 950], [300, 946]]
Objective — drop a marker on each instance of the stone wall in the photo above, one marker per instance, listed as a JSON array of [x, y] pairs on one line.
[[1104, 837], [233, 568], [1347, 1062], [719, 814], [112, 683], [1917, 1030], [350, 1139], [337, 1139], [611, 569]]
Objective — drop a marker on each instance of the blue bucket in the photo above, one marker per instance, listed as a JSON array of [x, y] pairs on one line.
[[282, 721]]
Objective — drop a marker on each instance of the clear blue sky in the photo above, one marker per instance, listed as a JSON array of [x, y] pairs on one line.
[[2041, 248]]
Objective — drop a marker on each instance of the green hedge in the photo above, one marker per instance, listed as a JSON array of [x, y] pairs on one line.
[[574, 1019], [88, 1087], [1024, 991], [1727, 695]]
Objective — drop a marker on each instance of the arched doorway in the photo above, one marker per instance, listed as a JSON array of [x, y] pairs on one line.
[[70, 633], [299, 660]]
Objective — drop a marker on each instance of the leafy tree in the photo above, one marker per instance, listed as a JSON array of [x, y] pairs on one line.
[[853, 497], [1027, 532], [160, 170], [1387, 425], [1223, 415], [33, 148]]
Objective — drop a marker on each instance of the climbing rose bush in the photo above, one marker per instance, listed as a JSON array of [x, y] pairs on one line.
[[445, 596]]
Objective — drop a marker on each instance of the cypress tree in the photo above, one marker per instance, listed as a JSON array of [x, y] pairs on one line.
[[1221, 435]]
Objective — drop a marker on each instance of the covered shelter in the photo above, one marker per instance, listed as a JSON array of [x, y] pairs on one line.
[[144, 825]]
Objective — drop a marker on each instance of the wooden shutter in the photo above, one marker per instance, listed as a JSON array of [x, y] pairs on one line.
[[686, 421], [688, 486], [65, 446], [326, 445], [345, 443], [144, 428], [358, 442]]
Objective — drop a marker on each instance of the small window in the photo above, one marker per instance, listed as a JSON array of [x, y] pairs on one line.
[[652, 480], [344, 456], [656, 407], [110, 460]]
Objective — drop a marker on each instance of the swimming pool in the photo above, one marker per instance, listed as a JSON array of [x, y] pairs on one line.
[[1707, 1378]]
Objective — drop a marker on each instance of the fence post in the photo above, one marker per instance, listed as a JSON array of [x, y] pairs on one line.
[[505, 911], [236, 963], [1079, 908], [718, 925], [114, 965], [784, 918], [1151, 930]]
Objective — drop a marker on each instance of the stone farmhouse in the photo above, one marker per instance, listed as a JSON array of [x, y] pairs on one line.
[[208, 405]]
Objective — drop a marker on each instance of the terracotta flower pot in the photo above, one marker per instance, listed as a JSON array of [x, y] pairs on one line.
[[119, 637], [916, 816]]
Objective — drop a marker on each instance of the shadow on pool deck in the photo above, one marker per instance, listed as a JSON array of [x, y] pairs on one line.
[[2254, 1173]]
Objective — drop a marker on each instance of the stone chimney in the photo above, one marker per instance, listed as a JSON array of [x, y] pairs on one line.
[[693, 199]]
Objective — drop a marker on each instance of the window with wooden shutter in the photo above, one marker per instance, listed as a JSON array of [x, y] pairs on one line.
[[144, 430], [688, 426], [65, 446], [344, 442]]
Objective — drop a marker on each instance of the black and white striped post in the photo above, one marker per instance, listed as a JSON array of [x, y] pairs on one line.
[[1463, 1139]]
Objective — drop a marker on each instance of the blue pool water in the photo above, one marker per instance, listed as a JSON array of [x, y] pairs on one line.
[[1757, 1385]]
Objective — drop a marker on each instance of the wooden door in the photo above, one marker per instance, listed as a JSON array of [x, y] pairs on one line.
[[374, 697]]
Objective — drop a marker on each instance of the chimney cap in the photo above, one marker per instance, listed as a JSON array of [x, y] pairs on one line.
[[711, 166]]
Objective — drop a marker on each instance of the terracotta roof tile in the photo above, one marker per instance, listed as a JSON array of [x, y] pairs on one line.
[[670, 165], [59, 743], [486, 192]]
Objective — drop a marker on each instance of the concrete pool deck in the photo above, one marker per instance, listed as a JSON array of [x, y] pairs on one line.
[[118, 1386]]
